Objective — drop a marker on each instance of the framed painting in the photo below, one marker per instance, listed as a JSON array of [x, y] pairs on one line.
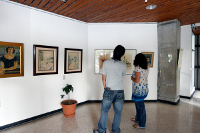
[[11, 59], [45, 60], [73, 61], [180, 58], [104, 54], [150, 57]]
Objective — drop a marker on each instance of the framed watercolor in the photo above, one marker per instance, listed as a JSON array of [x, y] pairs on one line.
[[73, 61], [150, 58], [104, 54], [11, 59], [45, 60]]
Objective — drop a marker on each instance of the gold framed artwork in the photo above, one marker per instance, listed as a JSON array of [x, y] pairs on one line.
[[11, 59], [45, 60], [104, 54], [150, 58], [73, 60]]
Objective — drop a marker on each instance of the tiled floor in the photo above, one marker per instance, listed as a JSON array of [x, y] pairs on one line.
[[196, 95], [161, 118]]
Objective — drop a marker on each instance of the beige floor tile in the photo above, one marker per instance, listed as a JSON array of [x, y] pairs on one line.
[[161, 118]]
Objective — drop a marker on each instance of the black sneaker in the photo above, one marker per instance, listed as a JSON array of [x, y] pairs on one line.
[[96, 131]]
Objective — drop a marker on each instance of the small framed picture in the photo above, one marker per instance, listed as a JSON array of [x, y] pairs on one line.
[[150, 57], [73, 61], [45, 60], [11, 59]]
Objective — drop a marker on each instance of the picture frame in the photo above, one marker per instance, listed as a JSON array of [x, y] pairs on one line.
[[12, 59], [73, 60], [45, 60], [150, 58], [102, 55], [180, 58]]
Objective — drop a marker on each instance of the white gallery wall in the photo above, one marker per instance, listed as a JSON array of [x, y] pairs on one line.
[[25, 97], [29, 96], [186, 85], [139, 36]]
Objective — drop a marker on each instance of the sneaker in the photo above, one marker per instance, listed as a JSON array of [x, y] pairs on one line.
[[96, 131]]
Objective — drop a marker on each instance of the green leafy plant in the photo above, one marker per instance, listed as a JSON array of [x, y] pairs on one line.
[[67, 89]]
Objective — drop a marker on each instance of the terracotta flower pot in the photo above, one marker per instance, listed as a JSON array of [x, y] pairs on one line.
[[69, 107]]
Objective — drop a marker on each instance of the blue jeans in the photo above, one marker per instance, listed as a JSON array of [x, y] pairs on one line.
[[117, 98], [140, 113]]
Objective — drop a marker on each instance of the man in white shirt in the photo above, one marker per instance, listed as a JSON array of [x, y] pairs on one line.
[[113, 71]]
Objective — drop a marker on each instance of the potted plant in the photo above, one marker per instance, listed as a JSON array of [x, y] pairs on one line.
[[69, 106]]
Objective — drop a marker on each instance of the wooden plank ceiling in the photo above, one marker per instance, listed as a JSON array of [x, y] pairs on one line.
[[101, 11]]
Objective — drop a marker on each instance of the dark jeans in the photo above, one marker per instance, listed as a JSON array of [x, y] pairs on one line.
[[140, 113], [117, 98]]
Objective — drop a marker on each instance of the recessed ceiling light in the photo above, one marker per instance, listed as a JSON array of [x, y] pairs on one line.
[[64, 0], [149, 7]]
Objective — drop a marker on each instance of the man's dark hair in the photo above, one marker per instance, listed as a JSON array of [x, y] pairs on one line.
[[141, 61], [10, 47], [118, 52]]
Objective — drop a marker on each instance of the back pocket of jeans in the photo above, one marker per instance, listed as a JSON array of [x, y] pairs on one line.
[[120, 97]]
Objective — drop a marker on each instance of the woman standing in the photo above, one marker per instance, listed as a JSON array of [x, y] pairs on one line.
[[140, 89]]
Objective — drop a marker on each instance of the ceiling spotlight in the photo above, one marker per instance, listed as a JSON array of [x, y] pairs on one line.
[[194, 27], [64, 0], [149, 7]]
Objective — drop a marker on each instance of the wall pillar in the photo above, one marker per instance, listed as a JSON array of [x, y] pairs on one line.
[[168, 53]]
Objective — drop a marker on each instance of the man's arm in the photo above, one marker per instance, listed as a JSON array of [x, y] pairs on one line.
[[104, 80]]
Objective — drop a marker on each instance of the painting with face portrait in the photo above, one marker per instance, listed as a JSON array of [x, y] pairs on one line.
[[11, 59], [150, 57]]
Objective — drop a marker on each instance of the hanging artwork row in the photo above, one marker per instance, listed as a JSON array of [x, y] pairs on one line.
[[11, 59], [45, 60], [104, 54]]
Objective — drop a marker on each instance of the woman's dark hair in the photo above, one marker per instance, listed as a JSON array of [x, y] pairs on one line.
[[10, 47], [141, 61], [118, 52]]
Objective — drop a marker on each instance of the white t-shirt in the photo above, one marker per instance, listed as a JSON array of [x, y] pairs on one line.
[[114, 72]]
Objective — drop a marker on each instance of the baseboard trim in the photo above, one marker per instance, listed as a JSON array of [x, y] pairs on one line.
[[173, 103], [188, 97], [54, 112], [28, 120]]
